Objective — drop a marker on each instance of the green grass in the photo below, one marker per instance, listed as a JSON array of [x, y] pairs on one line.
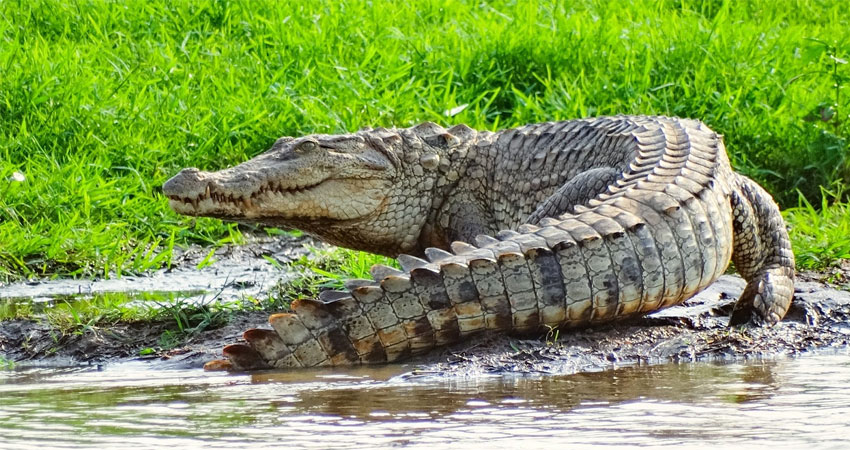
[[6, 364], [101, 101], [325, 269], [181, 318], [76, 314], [821, 236]]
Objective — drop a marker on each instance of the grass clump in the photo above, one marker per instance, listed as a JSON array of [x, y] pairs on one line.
[[820, 235], [100, 102], [188, 319], [181, 317], [6, 364], [323, 270]]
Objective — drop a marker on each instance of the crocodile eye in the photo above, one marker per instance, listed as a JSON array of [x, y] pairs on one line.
[[306, 146]]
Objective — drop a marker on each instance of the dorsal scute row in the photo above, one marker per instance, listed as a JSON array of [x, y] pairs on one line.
[[669, 151]]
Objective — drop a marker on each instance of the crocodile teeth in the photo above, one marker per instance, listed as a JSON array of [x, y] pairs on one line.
[[207, 192]]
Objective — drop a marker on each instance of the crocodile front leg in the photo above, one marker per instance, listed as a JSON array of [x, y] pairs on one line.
[[578, 191]]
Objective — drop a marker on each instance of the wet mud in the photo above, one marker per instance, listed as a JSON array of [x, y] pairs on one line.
[[819, 319], [196, 276], [230, 272]]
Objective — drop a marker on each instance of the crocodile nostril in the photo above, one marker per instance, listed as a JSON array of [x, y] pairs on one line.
[[191, 172]]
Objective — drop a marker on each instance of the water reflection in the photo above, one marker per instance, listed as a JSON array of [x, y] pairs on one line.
[[688, 383], [797, 402]]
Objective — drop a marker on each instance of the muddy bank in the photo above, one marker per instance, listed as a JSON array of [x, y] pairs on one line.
[[35, 343], [230, 272], [819, 319]]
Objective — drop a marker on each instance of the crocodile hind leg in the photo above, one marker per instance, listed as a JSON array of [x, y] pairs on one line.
[[762, 255], [578, 191]]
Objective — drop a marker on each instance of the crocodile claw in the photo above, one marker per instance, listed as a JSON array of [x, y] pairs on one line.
[[218, 365]]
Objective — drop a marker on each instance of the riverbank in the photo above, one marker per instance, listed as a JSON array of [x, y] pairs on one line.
[[696, 331]]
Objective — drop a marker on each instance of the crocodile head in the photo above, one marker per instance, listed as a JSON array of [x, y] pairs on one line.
[[337, 187]]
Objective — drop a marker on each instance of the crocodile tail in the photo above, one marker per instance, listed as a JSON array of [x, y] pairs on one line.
[[335, 329], [401, 313], [593, 267]]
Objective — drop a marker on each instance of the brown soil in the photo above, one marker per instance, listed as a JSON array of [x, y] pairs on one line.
[[34, 343]]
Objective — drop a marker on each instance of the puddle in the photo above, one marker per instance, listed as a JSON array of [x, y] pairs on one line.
[[233, 272], [222, 282], [99, 314], [785, 403]]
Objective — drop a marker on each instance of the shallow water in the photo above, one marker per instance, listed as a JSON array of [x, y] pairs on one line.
[[230, 272], [223, 282], [781, 404]]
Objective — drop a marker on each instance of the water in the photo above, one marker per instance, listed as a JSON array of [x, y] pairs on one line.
[[787, 403], [230, 272], [222, 282]]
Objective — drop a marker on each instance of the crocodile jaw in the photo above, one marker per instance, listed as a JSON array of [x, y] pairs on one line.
[[306, 183], [273, 203]]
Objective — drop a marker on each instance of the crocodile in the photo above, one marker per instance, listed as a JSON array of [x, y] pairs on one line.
[[558, 224]]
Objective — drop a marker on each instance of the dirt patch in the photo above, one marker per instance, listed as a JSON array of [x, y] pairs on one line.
[[34, 343]]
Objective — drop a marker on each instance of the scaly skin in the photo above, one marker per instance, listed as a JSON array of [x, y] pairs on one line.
[[560, 224]]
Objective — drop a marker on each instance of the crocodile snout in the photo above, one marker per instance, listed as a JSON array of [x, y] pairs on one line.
[[188, 182]]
